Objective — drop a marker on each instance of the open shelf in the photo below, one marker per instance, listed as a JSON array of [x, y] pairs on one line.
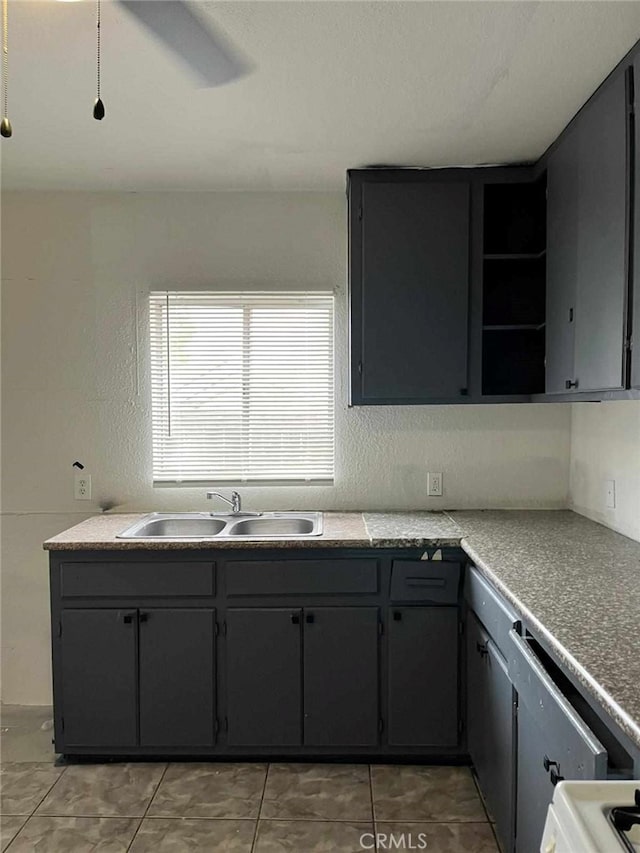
[[515, 256], [513, 361], [514, 218], [514, 289]]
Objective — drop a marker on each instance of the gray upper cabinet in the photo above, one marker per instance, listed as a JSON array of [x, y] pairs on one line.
[[634, 354], [409, 279], [587, 247], [562, 263]]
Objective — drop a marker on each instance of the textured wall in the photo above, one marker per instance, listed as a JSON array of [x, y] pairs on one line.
[[76, 268], [605, 445]]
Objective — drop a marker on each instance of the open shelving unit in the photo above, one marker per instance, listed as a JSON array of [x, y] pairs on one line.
[[513, 288]]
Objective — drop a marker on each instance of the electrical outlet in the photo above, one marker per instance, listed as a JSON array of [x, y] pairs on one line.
[[82, 487], [434, 485], [610, 494]]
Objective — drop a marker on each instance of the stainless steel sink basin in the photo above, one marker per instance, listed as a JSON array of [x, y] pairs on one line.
[[281, 526], [177, 526], [204, 526]]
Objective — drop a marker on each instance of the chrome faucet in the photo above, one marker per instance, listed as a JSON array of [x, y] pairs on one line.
[[235, 501]]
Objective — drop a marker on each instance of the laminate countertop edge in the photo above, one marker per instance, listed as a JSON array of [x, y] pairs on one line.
[[629, 725]]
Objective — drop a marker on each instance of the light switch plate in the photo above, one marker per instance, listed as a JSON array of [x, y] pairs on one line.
[[434, 485], [610, 494]]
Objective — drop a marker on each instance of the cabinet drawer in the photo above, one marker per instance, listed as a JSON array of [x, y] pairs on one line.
[[303, 577], [121, 580], [496, 616], [570, 741], [433, 582]]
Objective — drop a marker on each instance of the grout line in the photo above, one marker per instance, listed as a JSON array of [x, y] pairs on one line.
[[480, 794], [264, 788], [17, 832], [155, 791], [495, 836], [373, 814], [49, 790]]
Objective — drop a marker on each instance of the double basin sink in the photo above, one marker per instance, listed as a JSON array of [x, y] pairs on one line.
[[202, 525]]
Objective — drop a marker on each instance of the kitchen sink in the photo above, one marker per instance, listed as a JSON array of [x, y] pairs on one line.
[[281, 526], [202, 525]]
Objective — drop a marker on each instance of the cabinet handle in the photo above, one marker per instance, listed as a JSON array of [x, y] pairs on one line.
[[310, 619], [397, 616], [143, 617], [295, 619], [555, 778], [483, 650], [128, 618], [571, 384], [548, 764]]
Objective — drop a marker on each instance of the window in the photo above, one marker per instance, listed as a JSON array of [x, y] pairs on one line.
[[242, 387]]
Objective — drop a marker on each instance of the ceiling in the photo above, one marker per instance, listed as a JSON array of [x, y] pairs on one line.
[[335, 85]]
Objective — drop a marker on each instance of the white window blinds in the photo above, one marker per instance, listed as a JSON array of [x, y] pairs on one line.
[[242, 387]]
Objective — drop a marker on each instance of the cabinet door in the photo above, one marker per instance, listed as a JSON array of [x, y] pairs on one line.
[[410, 291], [423, 676], [490, 728], [264, 676], [177, 677], [562, 263], [602, 267], [549, 730], [341, 676], [99, 677], [635, 325]]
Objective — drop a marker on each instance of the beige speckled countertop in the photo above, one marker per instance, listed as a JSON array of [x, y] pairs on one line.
[[340, 530], [575, 582]]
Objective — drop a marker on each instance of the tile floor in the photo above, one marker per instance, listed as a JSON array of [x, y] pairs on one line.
[[227, 807]]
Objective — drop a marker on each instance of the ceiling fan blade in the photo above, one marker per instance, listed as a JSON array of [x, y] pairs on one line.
[[206, 53]]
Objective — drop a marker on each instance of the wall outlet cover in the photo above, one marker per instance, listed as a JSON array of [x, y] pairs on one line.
[[434, 485], [610, 494], [82, 486]]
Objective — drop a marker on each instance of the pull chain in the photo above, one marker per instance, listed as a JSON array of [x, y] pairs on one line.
[[98, 107], [5, 125]]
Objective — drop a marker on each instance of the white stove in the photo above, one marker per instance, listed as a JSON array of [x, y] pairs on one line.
[[593, 817]]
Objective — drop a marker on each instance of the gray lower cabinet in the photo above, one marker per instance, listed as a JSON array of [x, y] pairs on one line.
[[491, 727], [138, 677], [177, 677], [264, 690], [99, 677], [302, 676], [553, 743], [341, 676], [301, 653], [423, 676]]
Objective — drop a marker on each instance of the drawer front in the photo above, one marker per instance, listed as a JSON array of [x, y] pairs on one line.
[[301, 577], [434, 582], [121, 580], [570, 741], [496, 616]]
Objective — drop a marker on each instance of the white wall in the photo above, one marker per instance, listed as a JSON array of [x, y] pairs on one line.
[[76, 268], [605, 445]]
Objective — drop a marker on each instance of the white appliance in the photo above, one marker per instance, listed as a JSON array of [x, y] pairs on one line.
[[593, 817]]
